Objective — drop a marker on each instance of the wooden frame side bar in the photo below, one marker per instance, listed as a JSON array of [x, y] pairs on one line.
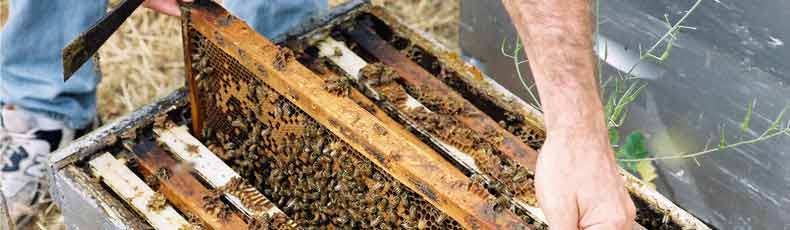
[[179, 186], [208, 166], [416, 76], [135, 192]]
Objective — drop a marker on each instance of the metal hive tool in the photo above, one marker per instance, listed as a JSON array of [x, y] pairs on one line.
[[356, 121]]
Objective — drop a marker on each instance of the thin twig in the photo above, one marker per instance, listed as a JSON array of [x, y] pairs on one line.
[[672, 29], [707, 151], [516, 64]]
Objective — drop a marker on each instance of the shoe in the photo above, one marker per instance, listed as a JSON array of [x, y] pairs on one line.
[[26, 139]]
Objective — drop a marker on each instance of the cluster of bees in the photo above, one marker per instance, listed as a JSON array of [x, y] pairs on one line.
[[510, 178], [213, 203], [308, 172], [652, 219], [512, 122]]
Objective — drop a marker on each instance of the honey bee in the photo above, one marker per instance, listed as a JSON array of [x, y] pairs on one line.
[[376, 220], [157, 202], [162, 173], [501, 203], [111, 139], [521, 175], [281, 59], [338, 85], [440, 217], [341, 220], [422, 223], [129, 134]]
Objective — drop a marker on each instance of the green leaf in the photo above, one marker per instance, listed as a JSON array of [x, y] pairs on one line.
[[722, 139], [614, 136], [647, 172], [748, 117], [634, 146], [776, 122]]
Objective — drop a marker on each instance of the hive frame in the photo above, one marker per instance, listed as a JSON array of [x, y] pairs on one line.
[[437, 182], [84, 203]]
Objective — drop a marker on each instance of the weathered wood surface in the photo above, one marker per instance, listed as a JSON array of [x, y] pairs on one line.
[[207, 165], [424, 172], [135, 192], [491, 92], [179, 186], [418, 77], [351, 64]]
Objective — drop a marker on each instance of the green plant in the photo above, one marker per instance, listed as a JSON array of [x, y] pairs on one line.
[[775, 129], [535, 102], [625, 88]]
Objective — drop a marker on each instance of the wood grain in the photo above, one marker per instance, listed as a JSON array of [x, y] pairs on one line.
[[179, 186]]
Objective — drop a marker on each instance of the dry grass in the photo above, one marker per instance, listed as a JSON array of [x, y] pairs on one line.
[[140, 62], [438, 18], [3, 12], [143, 60]]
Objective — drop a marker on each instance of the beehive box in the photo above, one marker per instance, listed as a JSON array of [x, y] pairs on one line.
[[352, 121]]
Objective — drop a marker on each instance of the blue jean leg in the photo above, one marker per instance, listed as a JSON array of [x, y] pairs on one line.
[[31, 72], [275, 17]]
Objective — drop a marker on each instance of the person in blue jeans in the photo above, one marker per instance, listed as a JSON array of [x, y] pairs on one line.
[[41, 113]]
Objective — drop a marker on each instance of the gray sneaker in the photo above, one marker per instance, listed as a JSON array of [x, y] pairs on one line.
[[26, 139]]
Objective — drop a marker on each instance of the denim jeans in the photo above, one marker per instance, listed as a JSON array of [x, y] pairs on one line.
[[31, 72]]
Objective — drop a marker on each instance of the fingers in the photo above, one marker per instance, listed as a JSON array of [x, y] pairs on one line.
[[557, 204], [617, 213], [609, 226], [169, 7]]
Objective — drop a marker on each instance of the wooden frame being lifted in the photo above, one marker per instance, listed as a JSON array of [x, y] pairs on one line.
[[424, 172]]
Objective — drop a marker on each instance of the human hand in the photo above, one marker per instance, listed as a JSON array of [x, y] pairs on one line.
[[169, 7], [579, 186]]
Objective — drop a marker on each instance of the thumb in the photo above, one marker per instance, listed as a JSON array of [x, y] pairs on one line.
[[169, 7]]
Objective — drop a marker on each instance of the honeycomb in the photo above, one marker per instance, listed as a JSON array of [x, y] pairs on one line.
[[313, 176]]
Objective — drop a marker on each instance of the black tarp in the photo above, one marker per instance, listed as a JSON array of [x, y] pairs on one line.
[[735, 56]]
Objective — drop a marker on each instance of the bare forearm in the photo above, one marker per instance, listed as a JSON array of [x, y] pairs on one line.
[[558, 38], [576, 168]]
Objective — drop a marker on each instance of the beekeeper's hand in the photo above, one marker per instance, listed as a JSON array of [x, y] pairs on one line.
[[576, 178], [169, 7]]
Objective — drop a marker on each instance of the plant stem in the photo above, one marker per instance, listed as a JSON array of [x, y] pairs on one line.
[[516, 63], [692, 155], [671, 30]]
